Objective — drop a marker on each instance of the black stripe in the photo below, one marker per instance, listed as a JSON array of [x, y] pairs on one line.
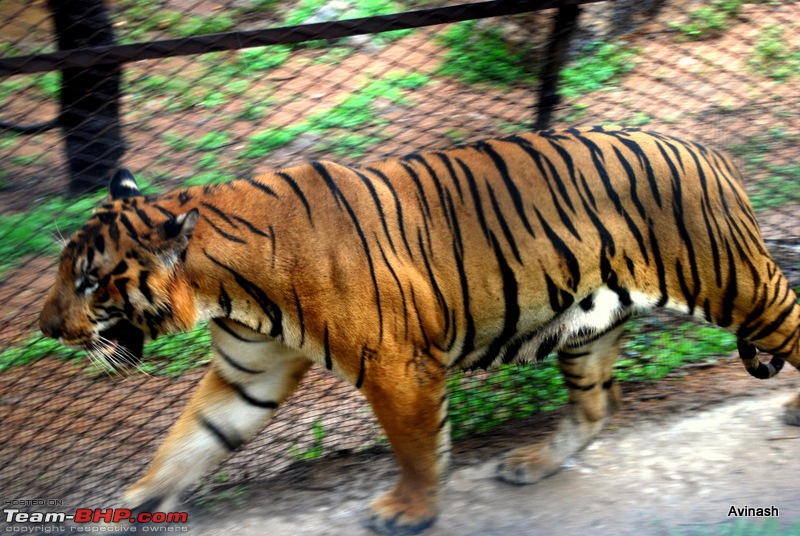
[[452, 172], [568, 162], [660, 270], [641, 155], [374, 195], [365, 353], [551, 178], [144, 217], [129, 226], [120, 268], [503, 224], [298, 192], [299, 316], [599, 164], [222, 233], [606, 238], [710, 222], [434, 284], [229, 360], [121, 284], [225, 301], [511, 187], [476, 196], [249, 225], [420, 324], [399, 287], [339, 196], [230, 443], [563, 251], [458, 254], [576, 387], [269, 307], [168, 213], [560, 299], [327, 347], [144, 288], [99, 244], [632, 180], [224, 217], [263, 187], [230, 331], [265, 404], [398, 205], [436, 183], [512, 313], [566, 354], [421, 197]]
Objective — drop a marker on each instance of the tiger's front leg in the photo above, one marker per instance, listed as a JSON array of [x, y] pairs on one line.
[[593, 396], [248, 378]]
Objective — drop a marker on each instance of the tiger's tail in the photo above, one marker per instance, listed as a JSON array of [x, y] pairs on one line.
[[773, 326]]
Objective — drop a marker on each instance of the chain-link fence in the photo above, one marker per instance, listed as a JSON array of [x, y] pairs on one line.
[[192, 109]]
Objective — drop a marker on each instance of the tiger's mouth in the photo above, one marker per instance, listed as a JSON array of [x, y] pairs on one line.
[[125, 341]]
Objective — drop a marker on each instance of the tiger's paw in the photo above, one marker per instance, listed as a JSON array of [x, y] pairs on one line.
[[791, 415], [400, 516], [526, 465]]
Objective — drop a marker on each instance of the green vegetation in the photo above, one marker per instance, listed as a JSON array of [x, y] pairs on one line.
[[171, 355], [335, 126], [36, 231], [516, 391], [306, 9], [317, 448], [769, 184], [479, 53], [709, 20], [595, 68], [774, 56], [742, 527]]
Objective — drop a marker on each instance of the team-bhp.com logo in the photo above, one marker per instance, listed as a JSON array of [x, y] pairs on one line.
[[87, 520]]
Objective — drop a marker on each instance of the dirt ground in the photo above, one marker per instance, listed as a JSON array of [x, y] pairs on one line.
[[673, 461]]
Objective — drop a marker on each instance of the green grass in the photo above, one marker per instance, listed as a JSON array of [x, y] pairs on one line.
[[774, 185], [317, 448], [478, 53], [37, 231], [774, 55], [598, 66], [336, 126], [709, 20], [517, 391], [742, 527], [170, 355]]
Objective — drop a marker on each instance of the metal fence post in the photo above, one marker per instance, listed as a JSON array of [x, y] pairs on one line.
[[90, 96], [556, 56]]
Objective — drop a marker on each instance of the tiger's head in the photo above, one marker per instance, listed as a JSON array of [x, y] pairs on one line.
[[119, 277]]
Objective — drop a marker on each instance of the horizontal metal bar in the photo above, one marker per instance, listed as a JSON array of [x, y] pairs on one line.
[[164, 48]]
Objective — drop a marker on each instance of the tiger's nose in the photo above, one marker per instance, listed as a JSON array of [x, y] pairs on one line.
[[50, 322]]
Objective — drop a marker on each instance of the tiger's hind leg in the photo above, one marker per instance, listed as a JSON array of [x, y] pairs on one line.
[[409, 400], [593, 396], [247, 380]]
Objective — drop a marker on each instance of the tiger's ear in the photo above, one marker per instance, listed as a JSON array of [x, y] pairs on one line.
[[175, 235], [181, 226], [123, 185]]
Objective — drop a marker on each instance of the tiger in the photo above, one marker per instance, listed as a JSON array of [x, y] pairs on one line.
[[392, 274]]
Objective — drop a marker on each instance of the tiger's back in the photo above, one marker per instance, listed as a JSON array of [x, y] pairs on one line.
[[392, 273]]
